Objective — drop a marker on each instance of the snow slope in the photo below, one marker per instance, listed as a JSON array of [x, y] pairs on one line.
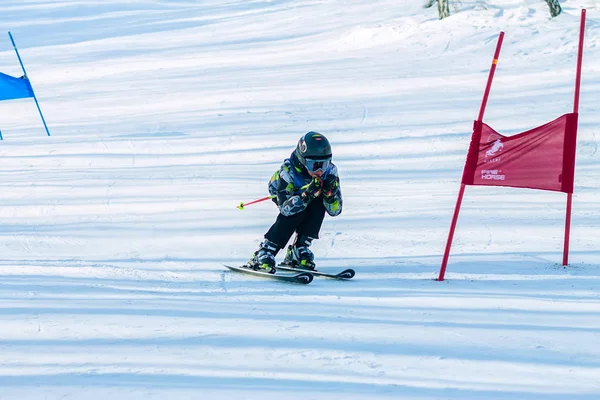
[[165, 115]]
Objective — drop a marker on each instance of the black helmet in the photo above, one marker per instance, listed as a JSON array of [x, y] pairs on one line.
[[313, 146]]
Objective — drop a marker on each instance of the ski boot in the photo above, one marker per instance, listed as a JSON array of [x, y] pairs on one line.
[[299, 255], [264, 258]]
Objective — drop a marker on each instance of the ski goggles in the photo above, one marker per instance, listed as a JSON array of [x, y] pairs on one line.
[[318, 165]]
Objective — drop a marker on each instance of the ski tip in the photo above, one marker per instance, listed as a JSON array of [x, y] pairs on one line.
[[305, 278], [347, 274]]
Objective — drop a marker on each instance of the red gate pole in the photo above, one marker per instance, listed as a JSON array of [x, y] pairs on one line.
[[575, 110], [461, 192]]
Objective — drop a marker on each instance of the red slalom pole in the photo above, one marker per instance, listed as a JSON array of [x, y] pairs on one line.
[[242, 204], [579, 62], [461, 192], [575, 110], [451, 233], [488, 86]]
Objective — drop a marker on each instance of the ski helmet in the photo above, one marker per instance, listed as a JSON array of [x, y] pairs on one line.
[[313, 151]]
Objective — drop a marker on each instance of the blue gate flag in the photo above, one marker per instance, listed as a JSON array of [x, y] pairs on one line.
[[18, 88], [14, 88]]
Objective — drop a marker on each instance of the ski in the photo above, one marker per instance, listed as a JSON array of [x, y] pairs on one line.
[[302, 277], [344, 275]]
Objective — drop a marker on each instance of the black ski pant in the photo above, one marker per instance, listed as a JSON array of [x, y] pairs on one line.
[[305, 223]]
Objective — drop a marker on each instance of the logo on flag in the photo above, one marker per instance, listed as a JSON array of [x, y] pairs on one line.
[[490, 155]]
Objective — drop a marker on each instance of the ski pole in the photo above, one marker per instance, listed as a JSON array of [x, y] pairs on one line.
[[242, 204]]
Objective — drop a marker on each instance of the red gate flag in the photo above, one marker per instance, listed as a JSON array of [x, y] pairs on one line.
[[540, 158]]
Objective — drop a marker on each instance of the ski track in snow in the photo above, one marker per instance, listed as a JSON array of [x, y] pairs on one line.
[[165, 115]]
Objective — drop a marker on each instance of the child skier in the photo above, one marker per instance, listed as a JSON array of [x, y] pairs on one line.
[[306, 186]]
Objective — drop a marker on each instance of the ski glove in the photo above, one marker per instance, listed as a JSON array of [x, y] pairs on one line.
[[331, 186], [312, 190]]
